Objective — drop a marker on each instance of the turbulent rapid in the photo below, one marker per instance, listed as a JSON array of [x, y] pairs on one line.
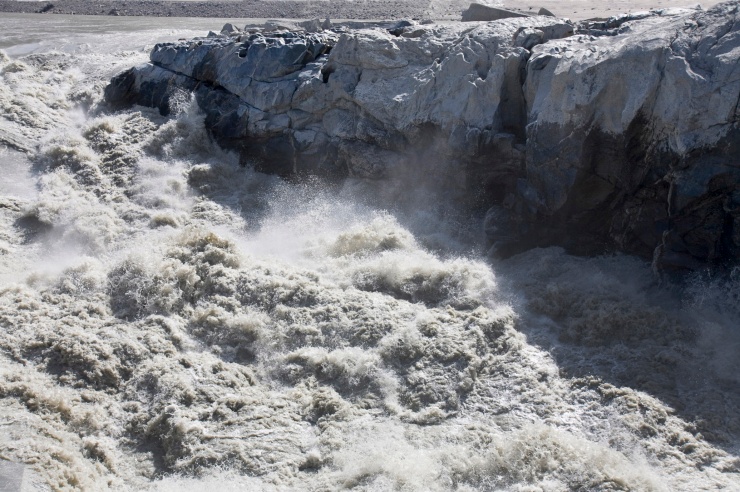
[[171, 320]]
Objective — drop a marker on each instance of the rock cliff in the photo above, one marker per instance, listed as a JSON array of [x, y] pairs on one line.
[[601, 136]]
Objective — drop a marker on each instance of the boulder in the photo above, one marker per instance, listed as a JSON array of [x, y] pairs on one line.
[[528, 38], [399, 27], [276, 26], [230, 29], [313, 25], [544, 11], [478, 12]]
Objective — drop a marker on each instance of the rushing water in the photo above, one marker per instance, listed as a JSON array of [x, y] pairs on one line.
[[171, 320]]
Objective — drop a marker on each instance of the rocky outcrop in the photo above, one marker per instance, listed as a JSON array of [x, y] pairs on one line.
[[632, 135], [371, 102], [616, 135]]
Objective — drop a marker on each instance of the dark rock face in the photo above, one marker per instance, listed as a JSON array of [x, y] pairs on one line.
[[633, 137], [617, 135]]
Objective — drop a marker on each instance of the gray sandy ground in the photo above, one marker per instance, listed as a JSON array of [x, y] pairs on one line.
[[373, 9]]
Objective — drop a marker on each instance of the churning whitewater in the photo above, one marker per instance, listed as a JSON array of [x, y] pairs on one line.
[[171, 320]]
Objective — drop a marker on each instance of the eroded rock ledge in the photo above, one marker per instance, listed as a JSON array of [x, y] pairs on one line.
[[615, 135]]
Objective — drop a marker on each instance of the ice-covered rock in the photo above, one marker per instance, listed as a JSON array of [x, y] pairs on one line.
[[622, 136]]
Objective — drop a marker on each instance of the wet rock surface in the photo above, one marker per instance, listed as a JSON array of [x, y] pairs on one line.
[[602, 136], [632, 134]]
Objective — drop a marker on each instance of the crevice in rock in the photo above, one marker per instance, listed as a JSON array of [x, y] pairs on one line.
[[326, 71], [482, 67]]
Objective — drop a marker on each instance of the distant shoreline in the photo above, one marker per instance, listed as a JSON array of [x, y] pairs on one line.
[[333, 9], [289, 9]]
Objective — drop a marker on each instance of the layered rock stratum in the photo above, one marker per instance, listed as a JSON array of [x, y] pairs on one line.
[[597, 136]]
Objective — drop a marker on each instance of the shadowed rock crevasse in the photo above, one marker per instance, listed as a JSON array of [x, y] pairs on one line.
[[601, 136]]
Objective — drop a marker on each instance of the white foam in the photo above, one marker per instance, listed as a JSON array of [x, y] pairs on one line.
[[173, 321]]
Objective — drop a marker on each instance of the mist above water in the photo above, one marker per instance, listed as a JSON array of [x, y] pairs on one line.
[[173, 321]]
